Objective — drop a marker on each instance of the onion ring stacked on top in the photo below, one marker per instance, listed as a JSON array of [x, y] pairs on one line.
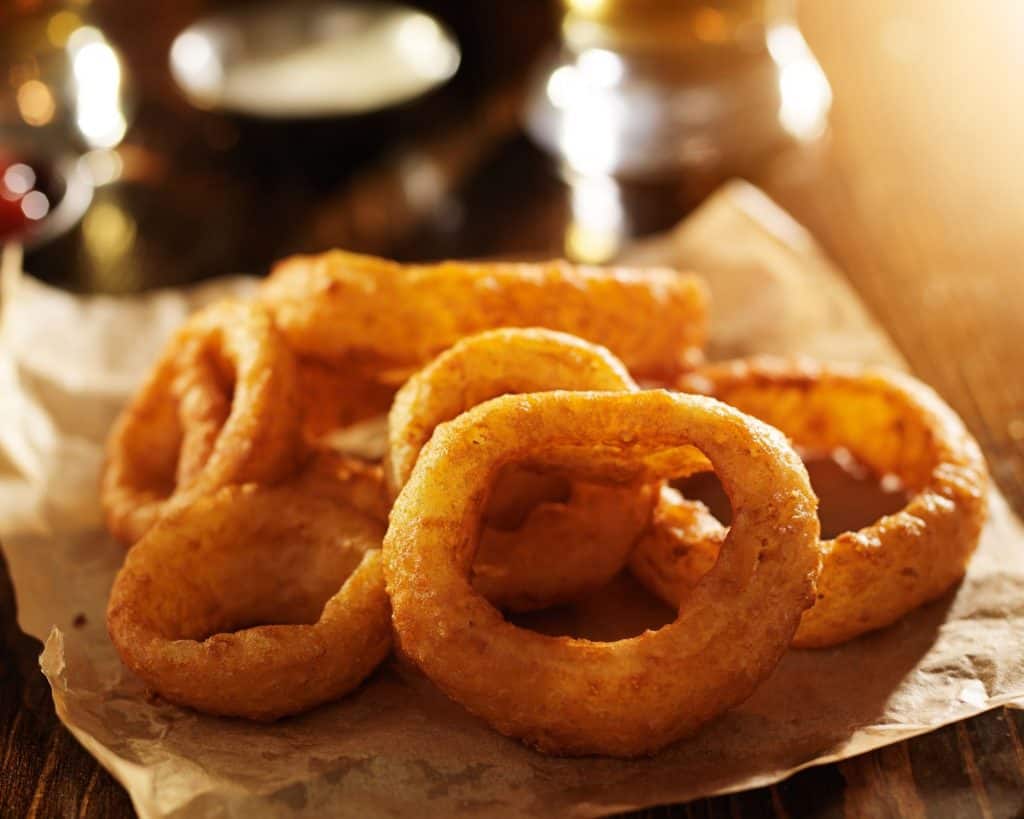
[[572, 696], [890, 422]]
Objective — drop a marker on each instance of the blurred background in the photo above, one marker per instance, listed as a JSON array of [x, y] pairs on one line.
[[147, 144], [151, 143]]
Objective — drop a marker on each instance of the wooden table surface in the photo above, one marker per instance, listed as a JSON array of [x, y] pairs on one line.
[[918, 195]]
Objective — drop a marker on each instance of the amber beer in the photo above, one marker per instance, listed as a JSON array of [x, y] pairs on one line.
[[664, 24]]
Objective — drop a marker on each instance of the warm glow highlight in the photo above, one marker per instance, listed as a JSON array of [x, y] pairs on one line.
[[805, 95], [35, 103], [598, 224], [97, 72]]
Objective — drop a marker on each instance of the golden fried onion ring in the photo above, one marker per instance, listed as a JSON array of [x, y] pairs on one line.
[[572, 696], [679, 547], [218, 408], [253, 602], [893, 424], [561, 550], [398, 317]]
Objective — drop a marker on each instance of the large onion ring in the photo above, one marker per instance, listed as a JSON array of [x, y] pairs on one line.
[[573, 696], [399, 317], [218, 408], [561, 550], [893, 424], [188, 609]]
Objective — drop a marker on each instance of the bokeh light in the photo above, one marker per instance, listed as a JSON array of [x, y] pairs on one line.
[[97, 74], [35, 103]]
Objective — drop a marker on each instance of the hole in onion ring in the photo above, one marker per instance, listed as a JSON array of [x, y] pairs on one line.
[[623, 608], [518, 491], [293, 595], [687, 530], [850, 495], [288, 611], [223, 372], [706, 488]]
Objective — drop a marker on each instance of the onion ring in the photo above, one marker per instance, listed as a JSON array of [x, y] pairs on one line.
[[187, 609], [894, 425], [679, 548], [573, 696], [560, 550], [218, 408], [397, 317]]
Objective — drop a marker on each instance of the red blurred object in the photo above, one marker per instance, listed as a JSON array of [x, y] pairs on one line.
[[24, 195], [12, 217]]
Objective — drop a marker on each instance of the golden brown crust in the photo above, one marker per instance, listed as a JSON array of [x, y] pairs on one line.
[[218, 408], [678, 548], [347, 480], [336, 394], [254, 602], [572, 696], [894, 425], [398, 317], [563, 548]]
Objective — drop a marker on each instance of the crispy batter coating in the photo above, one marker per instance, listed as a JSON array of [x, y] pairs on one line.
[[895, 426], [254, 602], [679, 547], [347, 480], [219, 407], [574, 696], [561, 549], [397, 317], [334, 395]]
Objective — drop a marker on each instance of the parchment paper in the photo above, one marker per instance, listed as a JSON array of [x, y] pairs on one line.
[[397, 747]]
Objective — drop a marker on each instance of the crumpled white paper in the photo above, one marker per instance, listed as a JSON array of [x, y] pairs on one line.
[[397, 746]]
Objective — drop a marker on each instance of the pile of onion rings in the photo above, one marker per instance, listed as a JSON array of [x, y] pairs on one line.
[[274, 562]]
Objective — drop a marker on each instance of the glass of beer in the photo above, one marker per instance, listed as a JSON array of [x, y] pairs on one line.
[[648, 90], [680, 26]]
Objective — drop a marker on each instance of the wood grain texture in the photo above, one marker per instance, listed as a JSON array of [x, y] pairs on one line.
[[917, 194]]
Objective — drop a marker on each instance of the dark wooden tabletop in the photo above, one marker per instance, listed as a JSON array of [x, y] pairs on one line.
[[918, 195]]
